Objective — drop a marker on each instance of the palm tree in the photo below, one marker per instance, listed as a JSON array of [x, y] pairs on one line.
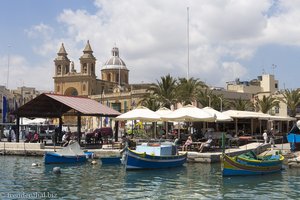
[[266, 103], [216, 100], [165, 91], [150, 102], [239, 104], [204, 97], [187, 90], [292, 99]]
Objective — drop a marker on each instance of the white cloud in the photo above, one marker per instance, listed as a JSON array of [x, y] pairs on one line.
[[152, 35], [40, 31], [21, 72]]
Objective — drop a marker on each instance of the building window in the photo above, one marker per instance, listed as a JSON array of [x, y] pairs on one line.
[[116, 106], [83, 87], [58, 69], [74, 93], [67, 69], [84, 68], [108, 78], [125, 106], [58, 88]]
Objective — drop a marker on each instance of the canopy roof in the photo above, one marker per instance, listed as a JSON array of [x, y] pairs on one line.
[[163, 111], [189, 113], [140, 113], [54, 106], [220, 117], [258, 115]]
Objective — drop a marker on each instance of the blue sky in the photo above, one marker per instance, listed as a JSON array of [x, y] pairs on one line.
[[229, 39]]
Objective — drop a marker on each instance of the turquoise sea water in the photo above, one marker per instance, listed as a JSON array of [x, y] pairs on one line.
[[20, 180]]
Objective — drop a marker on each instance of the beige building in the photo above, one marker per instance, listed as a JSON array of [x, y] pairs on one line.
[[264, 83], [112, 89]]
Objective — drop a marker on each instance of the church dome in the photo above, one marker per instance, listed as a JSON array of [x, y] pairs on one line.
[[115, 62]]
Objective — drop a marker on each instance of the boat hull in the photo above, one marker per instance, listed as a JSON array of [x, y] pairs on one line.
[[135, 160], [233, 166], [111, 160], [52, 158]]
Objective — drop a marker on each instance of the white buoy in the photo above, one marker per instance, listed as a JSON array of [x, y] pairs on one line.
[[56, 170], [94, 162], [36, 164]]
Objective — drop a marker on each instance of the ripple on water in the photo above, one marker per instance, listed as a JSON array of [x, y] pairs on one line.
[[197, 181]]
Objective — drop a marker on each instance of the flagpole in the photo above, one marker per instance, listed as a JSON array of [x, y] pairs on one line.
[[188, 44]]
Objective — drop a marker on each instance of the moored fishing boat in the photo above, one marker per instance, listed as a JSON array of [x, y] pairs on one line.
[[111, 160], [153, 156], [69, 154], [250, 164]]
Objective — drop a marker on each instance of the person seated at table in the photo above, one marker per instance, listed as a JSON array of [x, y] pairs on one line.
[[187, 143], [176, 141], [35, 137], [205, 144]]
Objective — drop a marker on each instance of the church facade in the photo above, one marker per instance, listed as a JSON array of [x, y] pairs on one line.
[[112, 89]]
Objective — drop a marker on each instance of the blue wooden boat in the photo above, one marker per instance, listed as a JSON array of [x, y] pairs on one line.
[[69, 154], [155, 156], [250, 164], [111, 160], [54, 157]]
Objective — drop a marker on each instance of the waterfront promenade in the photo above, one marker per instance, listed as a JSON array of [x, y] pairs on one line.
[[38, 149]]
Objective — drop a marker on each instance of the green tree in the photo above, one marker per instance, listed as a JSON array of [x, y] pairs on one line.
[[165, 91], [204, 97], [187, 90], [150, 102], [239, 104], [292, 100], [216, 100], [266, 103]]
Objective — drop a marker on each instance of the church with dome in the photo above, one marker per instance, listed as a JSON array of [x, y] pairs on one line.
[[112, 89]]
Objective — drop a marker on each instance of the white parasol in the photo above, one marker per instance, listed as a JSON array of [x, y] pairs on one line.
[[220, 117], [189, 113], [140, 113]]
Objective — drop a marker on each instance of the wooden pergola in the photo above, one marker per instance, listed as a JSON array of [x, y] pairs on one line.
[[55, 106]]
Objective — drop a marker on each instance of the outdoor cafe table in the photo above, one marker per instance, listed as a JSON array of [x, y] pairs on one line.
[[245, 139], [195, 146]]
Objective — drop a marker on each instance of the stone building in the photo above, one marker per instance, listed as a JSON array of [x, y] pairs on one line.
[[112, 89]]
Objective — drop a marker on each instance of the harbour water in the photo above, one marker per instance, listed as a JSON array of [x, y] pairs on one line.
[[20, 180]]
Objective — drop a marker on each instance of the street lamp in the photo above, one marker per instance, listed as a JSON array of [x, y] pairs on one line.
[[208, 100], [221, 109]]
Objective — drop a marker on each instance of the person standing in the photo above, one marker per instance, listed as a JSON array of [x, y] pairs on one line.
[[265, 136], [272, 137]]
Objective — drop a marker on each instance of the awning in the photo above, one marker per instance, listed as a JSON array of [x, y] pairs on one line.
[[54, 106], [258, 115]]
